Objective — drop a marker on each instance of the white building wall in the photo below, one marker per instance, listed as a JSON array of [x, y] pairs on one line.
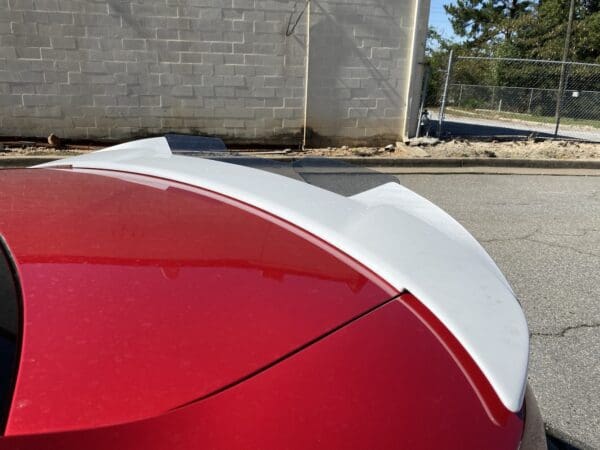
[[116, 69]]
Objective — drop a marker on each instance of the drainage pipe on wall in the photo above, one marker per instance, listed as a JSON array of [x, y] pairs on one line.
[[421, 10], [306, 75]]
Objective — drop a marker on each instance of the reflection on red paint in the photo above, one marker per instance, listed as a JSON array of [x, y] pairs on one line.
[[383, 381], [143, 296], [479, 383]]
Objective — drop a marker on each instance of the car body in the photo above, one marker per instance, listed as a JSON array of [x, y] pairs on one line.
[[163, 301]]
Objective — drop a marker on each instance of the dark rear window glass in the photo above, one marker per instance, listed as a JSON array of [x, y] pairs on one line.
[[9, 332]]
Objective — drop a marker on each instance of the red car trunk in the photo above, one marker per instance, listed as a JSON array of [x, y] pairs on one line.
[[157, 315], [141, 295]]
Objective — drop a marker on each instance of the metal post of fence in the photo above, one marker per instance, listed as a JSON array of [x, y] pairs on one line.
[[459, 95], [530, 100], [424, 91], [563, 68], [445, 94]]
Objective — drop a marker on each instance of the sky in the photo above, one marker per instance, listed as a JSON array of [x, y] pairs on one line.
[[438, 18]]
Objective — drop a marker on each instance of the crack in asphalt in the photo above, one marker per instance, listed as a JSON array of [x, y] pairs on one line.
[[585, 232], [516, 238], [568, 247], [565, 330], [529, 237]]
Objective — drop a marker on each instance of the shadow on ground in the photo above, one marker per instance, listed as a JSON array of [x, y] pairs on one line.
[[558, 444], [452, 128]]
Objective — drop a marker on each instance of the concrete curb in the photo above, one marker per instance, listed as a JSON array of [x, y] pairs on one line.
[[26, 161], [463, 162]]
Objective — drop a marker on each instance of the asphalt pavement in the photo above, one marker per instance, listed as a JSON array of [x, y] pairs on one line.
[[476, 126], [544, 233]]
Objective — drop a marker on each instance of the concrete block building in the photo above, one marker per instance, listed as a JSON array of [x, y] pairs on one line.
[[250, 71]]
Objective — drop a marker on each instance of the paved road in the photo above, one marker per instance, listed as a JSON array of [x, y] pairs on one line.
[[544, 233], [474, 126]]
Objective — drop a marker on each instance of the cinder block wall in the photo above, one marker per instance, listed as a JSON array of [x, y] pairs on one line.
[[116, 69]]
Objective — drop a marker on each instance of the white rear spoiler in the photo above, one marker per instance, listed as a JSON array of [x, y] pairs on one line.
[[405, 239]]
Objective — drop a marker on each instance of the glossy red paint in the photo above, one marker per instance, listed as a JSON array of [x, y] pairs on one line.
[[382, 382], [490, 401], [141, 295]]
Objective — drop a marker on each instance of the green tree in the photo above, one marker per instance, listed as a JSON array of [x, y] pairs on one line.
[[488, 25], [543, 32], [437, 53], [527, 28]]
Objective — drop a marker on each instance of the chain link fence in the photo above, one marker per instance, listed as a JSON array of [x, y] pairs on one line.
[[504, 97]]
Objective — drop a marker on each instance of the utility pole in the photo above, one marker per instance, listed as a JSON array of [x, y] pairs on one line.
[[563, 68]]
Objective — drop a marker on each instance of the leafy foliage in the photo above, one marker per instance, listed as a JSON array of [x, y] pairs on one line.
[[488, 25], [526, 28]]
